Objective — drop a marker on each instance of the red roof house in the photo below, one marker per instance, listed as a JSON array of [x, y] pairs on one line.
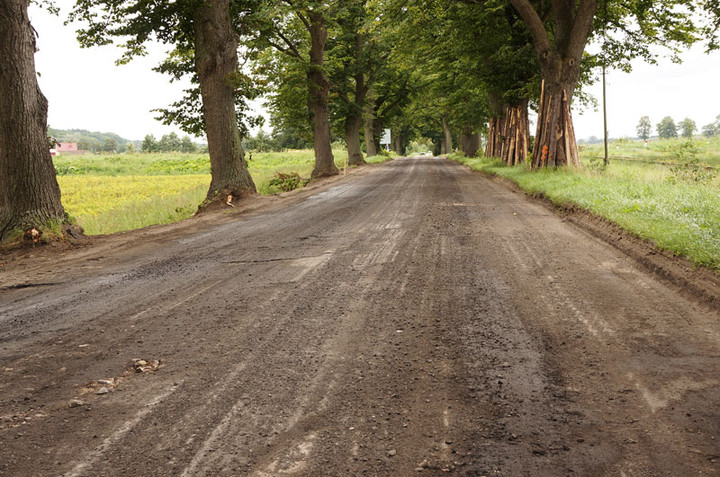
[[67, 147]]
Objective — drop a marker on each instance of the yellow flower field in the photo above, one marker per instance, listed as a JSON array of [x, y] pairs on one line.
[[107, 204]]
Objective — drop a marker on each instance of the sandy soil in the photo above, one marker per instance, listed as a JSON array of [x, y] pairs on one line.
[[409, 319]]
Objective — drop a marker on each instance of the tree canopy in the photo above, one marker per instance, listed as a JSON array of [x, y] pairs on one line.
[[644, 128], [666, 128]]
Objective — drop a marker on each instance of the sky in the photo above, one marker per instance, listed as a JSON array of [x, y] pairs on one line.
[[687, 90], [86, 90]]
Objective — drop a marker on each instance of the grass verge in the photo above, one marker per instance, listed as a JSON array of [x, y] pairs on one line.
[[647, 200]]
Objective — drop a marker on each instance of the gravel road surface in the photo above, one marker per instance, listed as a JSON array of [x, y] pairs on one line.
[[412, 319]]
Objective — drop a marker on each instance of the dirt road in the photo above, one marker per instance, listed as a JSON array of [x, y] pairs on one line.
[[414, 319]]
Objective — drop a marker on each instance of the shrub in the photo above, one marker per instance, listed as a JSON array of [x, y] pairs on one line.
[[286, 181]]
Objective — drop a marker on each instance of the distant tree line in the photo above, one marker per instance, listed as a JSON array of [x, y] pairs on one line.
[[667, 129], [279, 140], [92, 141], [97, 142], [169, 143]]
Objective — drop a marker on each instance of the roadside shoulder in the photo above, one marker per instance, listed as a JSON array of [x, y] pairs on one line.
[[696, 282]]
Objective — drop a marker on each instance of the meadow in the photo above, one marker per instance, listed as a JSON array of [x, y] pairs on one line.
[[706, 150], [112, 193], [675, 204]]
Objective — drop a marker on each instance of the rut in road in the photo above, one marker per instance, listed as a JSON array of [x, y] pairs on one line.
[[416, 320]]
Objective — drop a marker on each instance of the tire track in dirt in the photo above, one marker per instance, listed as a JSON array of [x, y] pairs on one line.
[[608, 329], [418, 320]]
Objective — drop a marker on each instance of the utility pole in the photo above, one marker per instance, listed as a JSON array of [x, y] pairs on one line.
[[606, 160]]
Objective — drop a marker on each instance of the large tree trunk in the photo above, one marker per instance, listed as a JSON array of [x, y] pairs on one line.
[[352, 136], [447, 144], [516, 134], [495, 140], [378, 132], [369, 123], [555, 144], [354, 119], [402, 142], [469, 142], [559, 56], [29, 192], [319, 91], [496, 125], [398, 141], [395, 141], [216, 63]]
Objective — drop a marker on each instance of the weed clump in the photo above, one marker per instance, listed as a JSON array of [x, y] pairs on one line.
[[688, 167], [287, 181]]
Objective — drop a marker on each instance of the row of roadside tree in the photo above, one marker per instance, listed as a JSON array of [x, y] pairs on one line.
[[445, 69]]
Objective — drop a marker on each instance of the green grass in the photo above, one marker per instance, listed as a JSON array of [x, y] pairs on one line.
[[646, 199], [112, 193], [659, 150], [377, 159], [132, 164]]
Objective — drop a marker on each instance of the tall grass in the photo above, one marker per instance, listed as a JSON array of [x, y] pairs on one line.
[[645, 199]]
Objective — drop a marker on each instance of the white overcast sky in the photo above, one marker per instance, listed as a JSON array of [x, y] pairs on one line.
[[87, 91]]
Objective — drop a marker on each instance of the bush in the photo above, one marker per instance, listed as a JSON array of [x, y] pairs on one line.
[[689, 168], [286, 182]]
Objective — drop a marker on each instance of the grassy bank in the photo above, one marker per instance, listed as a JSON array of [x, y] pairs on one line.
[[112, 193], [660, 203]]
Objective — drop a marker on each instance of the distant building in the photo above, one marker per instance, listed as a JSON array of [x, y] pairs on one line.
[[70, 148], [67, 147]]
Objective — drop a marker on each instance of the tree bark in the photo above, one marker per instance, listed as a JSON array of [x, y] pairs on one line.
[[495, 140], [469, 142], [555, 144], [378, 132], [29, 192], [394, 141], [369, 124], [216, 64], [398, 145], [352, 136], [402, 142], [354, 119], [319, 91], [446, 147], [516, 134]]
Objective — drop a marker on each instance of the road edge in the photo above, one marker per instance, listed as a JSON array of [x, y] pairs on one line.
[[695, 282], [25, 260]]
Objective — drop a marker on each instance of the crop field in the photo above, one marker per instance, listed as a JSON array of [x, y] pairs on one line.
[[675, 206], [107, 204], [112, 193]]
